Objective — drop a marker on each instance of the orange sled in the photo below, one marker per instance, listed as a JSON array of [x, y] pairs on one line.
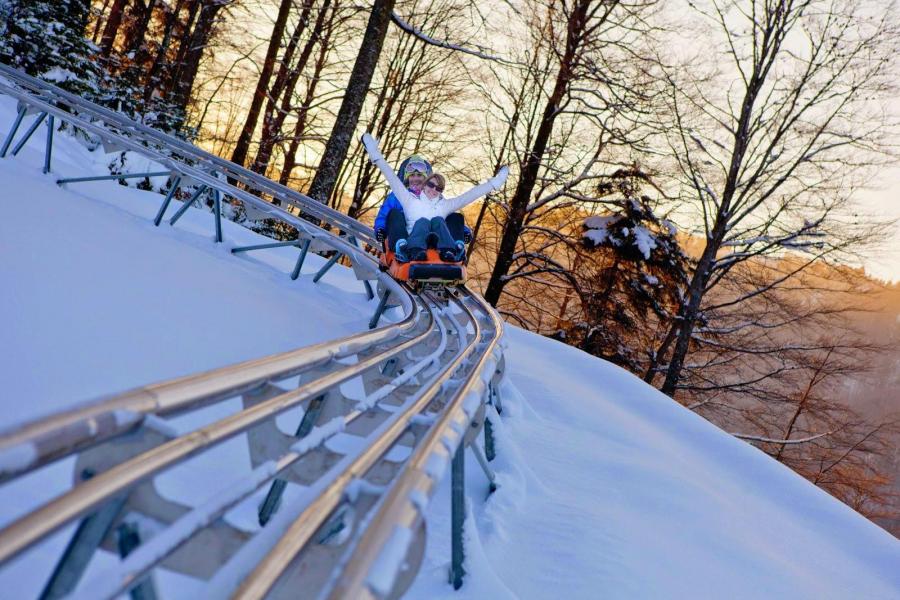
[[429, 273]]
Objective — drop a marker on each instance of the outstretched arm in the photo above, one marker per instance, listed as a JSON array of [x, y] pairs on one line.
[[452, 205], [379, 161]]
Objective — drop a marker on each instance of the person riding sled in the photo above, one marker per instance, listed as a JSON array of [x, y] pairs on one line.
[[426, 212], [390, 222]]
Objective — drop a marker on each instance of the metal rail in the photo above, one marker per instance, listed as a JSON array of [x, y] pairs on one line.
[[178, 148], [426, 377]]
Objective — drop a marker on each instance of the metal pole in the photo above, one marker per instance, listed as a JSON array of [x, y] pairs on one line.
[[489, 449], [187, 205], [326, 266], [217, 208], [78, 553], [457, 516], [29, 132], [379, 310], [165, 204], [369, 293], [12, 132], [48, 149], [299, 265], [129, 539], [479, 456], [273, 498], [264, 246], [108, 177]]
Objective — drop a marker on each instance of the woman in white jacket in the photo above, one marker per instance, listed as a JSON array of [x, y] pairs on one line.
[[426, 212]]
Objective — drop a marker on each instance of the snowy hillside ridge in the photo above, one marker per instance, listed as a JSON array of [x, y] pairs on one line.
[[607, 487], [610, 489]]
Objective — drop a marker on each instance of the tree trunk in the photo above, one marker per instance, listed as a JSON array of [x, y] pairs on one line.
[[242, 147], [187, 73], [134, 41], [290, 157], [532, 164], [98, 25], [285, 82], [112, 26], [184, 45], [152, 84], [351, 106]]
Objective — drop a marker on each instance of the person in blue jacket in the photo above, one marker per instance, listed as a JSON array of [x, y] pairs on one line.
[[390, 223]]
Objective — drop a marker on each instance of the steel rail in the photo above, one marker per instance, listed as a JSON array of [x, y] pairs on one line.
[[22, 455], [119, 579], [299, 533], [401, 507], [232, 170], [89, 495], [49, 438], [193, 172], [109, 417]]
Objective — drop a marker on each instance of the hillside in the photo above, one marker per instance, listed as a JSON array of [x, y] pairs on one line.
[[607, 488]]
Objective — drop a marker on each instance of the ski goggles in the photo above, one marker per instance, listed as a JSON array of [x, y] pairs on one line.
[[416, 168]]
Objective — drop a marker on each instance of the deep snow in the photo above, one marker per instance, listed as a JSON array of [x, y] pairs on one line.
[[607, 488]]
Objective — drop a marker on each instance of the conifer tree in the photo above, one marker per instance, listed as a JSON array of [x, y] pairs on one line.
[[45, 38]]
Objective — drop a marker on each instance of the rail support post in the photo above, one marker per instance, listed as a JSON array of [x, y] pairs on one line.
[[299, 264], [379, 310], [13, 131], [129, 539], [482, 461], [273, 498], [48, 150], [29, 132], [217, 208], [337, 256], [490, 452], [165, 205], [457, 516], [78, 553], [187, 204]]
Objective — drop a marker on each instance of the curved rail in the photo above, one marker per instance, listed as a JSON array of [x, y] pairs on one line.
[[426, 378]]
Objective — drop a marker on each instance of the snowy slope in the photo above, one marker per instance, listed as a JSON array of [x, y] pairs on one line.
[[608, 489]]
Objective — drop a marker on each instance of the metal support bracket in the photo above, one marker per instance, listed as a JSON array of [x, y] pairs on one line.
[[48, 149], [165, 205], [29, 132], [12, 132], [187, 204], [457, 516]]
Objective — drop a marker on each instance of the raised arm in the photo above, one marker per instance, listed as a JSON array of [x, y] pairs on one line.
[[379, 161], [452, 205]]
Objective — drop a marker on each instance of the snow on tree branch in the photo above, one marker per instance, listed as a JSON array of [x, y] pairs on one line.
[[756, 438], [399, 22]]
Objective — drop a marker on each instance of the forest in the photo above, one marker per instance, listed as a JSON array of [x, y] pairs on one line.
[[684, 176]]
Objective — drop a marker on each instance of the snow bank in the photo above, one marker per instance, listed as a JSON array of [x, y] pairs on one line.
[[609, 489]]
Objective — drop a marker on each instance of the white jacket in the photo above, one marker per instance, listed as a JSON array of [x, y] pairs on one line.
[[420, 206]]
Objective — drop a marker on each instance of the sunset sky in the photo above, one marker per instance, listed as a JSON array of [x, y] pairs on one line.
[[883, 201]]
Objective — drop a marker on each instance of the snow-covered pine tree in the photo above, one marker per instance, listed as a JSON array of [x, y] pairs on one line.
[[45, 38], [630, 282]]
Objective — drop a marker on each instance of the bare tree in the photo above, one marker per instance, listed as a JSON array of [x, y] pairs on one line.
[[242, 147], [591, 29], [348, 116], [768, 147]]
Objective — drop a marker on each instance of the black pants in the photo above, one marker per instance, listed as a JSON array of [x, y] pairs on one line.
[[396, 227], [430, 233]]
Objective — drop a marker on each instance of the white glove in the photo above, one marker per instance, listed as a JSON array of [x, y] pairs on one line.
[[498, 179], [371, 145]]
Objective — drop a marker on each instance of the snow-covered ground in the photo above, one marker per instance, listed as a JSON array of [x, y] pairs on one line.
[[607, 488]]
